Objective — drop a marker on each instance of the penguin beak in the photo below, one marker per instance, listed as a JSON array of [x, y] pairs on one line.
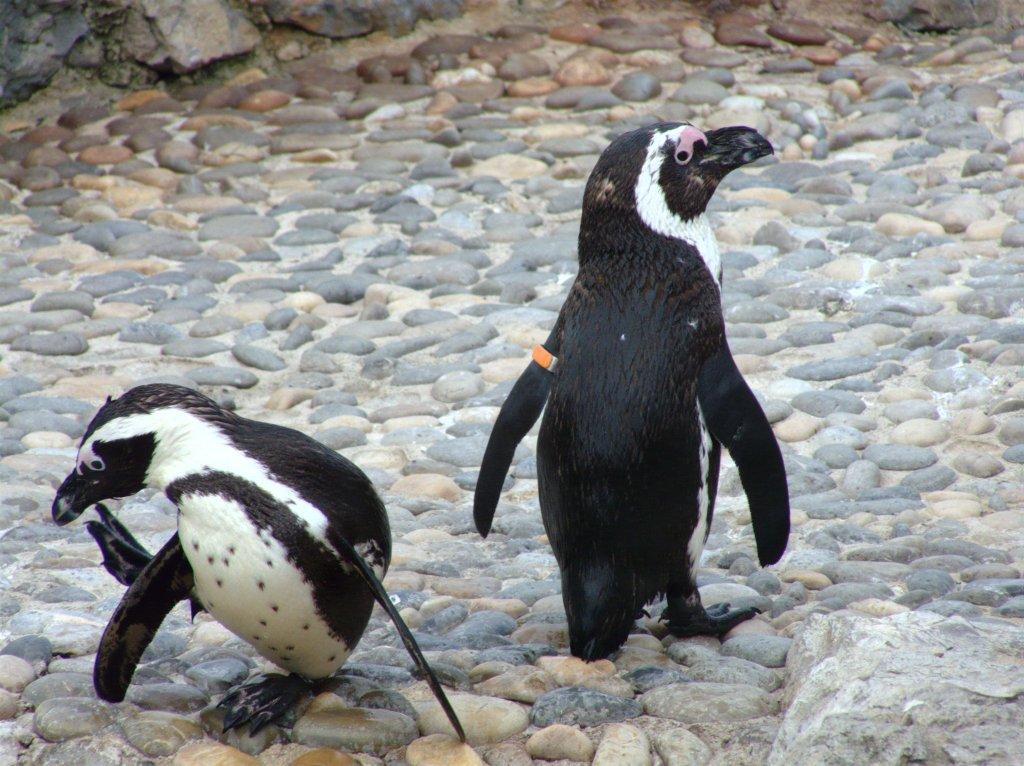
[[733, 147], [73, 497]]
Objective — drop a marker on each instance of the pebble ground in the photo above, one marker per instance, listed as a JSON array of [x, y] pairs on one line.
[[366, 253]]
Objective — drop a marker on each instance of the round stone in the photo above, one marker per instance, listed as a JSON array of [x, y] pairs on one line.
[[769, 651], [64, 718], [558, 742], [159, 734], [15, 673], [441, 750], [623, 745], [361, 730], [920, 432], [486, 720], [701, 702]]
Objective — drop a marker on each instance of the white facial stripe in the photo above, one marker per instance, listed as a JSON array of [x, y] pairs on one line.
[[187, 445], [655, 212]]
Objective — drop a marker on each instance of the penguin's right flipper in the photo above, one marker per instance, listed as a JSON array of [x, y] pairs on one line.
[[351, 556], [735, 418], [518, 414], [165, 580], [123, 555]]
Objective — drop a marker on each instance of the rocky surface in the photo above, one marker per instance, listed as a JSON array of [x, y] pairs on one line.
[[363, 243]]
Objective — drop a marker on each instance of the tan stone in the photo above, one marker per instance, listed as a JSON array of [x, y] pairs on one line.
[[512, 167], [572, 671], [441, 750], [904, 225], [285, 398], [138, 99], [920, 432], [109, 154], [264, 101], [169, 219], [324, 756], [560, 742], [212, 754], [582, 71], [15, 673], [531, 87], [797, 427], [485, 719], [623, 745], [427, 485], [46, 440], [810, 580]]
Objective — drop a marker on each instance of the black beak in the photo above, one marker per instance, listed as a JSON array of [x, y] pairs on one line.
[[73, 497], [734, 147]]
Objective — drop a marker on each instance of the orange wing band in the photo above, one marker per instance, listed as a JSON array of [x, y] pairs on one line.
[[544, 358]]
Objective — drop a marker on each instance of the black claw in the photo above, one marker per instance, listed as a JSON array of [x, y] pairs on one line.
[[262, 701]]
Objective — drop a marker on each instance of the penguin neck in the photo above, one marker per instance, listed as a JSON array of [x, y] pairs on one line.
[[627, 236], [187, 444]]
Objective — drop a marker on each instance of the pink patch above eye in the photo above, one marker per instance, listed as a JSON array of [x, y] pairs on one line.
[[687, 141]]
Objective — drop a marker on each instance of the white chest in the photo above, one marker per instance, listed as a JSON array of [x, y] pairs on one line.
[[245, 580]]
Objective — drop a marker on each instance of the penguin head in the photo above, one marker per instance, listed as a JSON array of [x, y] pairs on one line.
[[123, 442], [665, 174]]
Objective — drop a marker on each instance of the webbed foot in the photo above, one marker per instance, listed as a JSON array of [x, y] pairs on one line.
[[685, 619], [263, 700]]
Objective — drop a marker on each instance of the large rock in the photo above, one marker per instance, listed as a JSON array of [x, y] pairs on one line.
[[913, 687], [934, 15], [35, 36], [183, 35], [351, 18]]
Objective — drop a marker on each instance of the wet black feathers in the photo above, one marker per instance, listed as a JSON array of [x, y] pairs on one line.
[[166, 580], [735, 418]]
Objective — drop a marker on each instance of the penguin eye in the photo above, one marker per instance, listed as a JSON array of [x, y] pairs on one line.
[[95, 465], [683, 156]]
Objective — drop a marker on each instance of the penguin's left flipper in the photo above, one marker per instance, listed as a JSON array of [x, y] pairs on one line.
[[351, 556], [123, 555], [163, 582], [735, 418], [520, 411]]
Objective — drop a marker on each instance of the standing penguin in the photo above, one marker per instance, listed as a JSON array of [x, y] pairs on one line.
[[281, 539], [642, 392]]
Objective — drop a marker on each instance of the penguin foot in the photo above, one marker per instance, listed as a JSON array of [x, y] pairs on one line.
[[123, 555], [716, 620], [263, 700]]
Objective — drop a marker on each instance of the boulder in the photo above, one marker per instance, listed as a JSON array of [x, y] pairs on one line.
[[915, 687], [35, 36], [351, 18], [183, 35], [934, 15]]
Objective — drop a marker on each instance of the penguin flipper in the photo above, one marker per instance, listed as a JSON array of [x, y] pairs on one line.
[[123, 556], [517, 416], [351, 556], [735, 418], [163, 582]]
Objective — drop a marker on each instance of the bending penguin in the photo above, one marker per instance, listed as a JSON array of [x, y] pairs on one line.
[[281, 539], [642, 393]]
